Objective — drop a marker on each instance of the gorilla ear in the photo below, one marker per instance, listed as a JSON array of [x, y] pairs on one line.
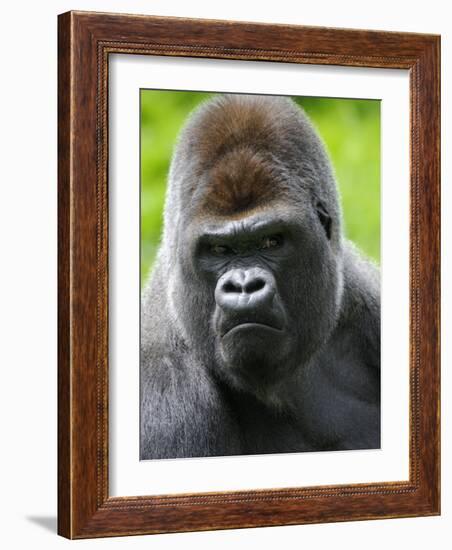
[[325, 218]]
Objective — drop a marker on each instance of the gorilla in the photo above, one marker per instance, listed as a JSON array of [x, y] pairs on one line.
[[260, 323]]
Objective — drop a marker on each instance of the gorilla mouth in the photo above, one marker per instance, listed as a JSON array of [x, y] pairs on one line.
[[244, 325]]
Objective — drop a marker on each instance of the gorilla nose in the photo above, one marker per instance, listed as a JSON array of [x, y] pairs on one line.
[[245, 289]]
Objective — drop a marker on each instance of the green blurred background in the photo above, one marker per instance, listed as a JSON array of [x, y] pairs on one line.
[[350, 129]]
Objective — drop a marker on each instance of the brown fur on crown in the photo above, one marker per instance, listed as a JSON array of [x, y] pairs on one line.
[[242, 180], [232, 121], [235, 146]]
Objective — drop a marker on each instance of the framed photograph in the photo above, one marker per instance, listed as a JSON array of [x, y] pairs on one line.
[[248, 275]]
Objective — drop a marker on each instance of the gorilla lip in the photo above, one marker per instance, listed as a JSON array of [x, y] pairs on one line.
[[249, 324]]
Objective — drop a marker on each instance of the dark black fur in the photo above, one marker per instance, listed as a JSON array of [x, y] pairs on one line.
[[310, 380]]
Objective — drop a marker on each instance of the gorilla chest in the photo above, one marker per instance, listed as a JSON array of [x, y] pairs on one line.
[[335, 407], [263, 430], [339, 407]]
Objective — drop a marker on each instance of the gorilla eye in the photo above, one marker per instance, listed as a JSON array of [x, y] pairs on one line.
[[324, 219], [270, 242], [220, 249]]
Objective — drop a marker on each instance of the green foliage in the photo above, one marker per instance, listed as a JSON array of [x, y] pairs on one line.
[[350, 129]]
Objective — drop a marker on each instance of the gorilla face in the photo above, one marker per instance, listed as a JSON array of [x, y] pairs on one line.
[[272, 278], [257, 274]]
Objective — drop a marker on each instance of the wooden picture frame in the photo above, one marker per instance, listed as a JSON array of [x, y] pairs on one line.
[[85, 42]]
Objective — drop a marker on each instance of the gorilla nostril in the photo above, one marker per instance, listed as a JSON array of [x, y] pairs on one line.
[[254, 285], [229, 286]]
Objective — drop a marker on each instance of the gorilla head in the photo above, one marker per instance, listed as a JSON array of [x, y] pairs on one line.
[[252, 246]]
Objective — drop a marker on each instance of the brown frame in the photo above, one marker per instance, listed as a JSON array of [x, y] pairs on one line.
[[85, 41]]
